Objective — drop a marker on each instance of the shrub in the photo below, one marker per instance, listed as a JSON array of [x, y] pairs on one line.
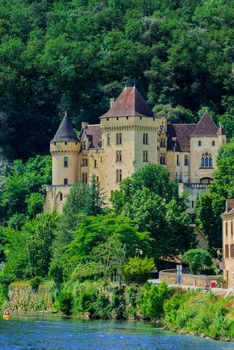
[[137, 269], [65, 302], [35, 282], [199, 260], [151, 300]]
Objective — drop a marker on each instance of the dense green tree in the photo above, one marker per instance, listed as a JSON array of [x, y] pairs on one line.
[[151, 200], [22, 190], [212, 204], [199, 260], [74, 55]]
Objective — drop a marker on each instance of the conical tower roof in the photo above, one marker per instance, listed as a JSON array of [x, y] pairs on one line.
[[130, 103], [65, 131], [206, 126]]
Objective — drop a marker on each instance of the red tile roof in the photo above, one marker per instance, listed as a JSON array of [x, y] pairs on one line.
[[130, 103], [206, 126]]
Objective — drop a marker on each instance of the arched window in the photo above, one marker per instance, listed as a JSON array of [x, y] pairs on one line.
[[206, 180], [206, 160]]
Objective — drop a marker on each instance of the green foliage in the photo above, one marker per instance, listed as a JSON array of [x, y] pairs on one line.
[[151, 300], [35, 282], [107, 240], [65, 303], [138, 269], [28, 252], [199, 260], [179, 53], [200, 313], [22, 190], [212, 204], [151, 200]]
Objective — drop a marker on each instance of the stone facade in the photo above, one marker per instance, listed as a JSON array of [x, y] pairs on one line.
[[128, 137], [228, 243]]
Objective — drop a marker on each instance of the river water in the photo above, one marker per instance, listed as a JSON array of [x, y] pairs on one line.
[[44, 332]]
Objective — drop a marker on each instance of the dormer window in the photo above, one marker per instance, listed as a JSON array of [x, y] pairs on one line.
[[84, 145]]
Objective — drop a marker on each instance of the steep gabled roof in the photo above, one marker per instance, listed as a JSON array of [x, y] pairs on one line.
[[178, 137], [130, 103], [65, 131], [206, 126]]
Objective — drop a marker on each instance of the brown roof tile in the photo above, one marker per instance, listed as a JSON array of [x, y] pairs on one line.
[[94, 133], [179, 137], [206, 126], [130, 103]]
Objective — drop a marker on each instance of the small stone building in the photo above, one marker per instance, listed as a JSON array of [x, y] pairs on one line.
[[129, 136], [228, 243]]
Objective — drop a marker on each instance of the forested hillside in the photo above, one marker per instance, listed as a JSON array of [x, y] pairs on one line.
[[76, 54]]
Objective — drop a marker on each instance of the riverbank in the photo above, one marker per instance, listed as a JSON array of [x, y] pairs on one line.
[[194, 312]]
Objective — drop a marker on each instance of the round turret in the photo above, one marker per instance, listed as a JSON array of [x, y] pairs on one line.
[[65, 148]]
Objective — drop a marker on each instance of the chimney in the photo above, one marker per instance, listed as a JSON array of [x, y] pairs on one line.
[[84, 125], [229, 205], [112, 100]]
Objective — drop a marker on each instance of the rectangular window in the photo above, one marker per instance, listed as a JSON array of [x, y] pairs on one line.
[[178, 160], [162, 143], [162, 158], [231, 227], [108, 139], [84, 178], [145, 156], [118, 175], [226, 251], [61, 196], [65, 181], [95, 163], [232, 250], [226, 228], [213, 143], [84, 161], [118, 139], [199, 143], [65, 162], [118, 156], [145, 139], [186, 160]]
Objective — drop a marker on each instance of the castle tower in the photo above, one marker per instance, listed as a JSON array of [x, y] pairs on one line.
[[129, 137], [64, 148]]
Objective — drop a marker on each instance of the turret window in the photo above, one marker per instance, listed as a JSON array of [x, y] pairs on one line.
[[118, 175], [206, 160], [145, 139], [199, 143], [95, 163], [65, 181], [60, 196], [65, 162], [118, 139], [108, 139], [213, 143]]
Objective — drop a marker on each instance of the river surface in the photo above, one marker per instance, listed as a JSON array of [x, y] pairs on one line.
[[44, 332]]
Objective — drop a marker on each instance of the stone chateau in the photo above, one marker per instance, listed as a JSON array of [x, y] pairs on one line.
[[128, 137]]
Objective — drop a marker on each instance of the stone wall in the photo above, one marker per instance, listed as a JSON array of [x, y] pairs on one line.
[[169, 276]]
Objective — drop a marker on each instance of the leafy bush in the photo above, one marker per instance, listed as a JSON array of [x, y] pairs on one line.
[[137, 269], [151, 300], [65, 302], [199, 260], [35, 282]]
